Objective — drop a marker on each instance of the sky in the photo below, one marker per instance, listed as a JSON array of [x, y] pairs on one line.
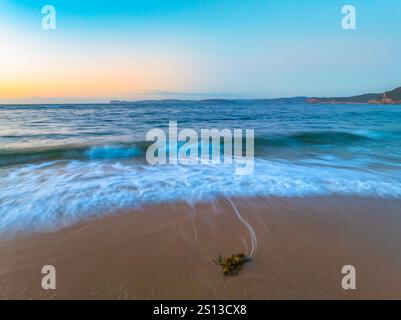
[[194, 49]]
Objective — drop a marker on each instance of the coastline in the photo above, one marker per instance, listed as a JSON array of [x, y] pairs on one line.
[[165, 252]]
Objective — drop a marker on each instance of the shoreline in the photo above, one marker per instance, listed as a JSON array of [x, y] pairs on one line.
[[165, 252]]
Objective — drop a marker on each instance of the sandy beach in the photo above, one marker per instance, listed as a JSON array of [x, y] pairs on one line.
[[166, 251]]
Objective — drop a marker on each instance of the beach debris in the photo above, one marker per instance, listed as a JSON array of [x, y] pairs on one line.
[[232, 265]]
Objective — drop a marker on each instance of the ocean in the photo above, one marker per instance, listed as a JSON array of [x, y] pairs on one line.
[[63, 163]]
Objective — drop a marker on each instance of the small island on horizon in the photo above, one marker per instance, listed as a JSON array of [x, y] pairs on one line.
[[387, 97]]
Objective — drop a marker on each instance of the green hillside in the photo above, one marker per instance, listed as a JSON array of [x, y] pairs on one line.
[[394, 95], [376, 98]]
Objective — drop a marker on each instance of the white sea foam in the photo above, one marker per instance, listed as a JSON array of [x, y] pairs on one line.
[[55, 194]]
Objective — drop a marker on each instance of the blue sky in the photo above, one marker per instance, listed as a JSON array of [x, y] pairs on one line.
[[193, 49]]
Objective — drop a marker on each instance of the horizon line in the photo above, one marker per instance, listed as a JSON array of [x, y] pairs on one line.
[[121, 101]]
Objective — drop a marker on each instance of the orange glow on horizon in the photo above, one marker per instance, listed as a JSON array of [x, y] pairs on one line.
[[45, 69]]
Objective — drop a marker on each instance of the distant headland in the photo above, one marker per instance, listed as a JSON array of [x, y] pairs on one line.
[[293, 100], [388, 97]]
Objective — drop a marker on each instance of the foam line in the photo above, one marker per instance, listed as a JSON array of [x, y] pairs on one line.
[[252, 234]]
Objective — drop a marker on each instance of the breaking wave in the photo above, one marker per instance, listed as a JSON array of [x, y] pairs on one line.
[[58, 193]]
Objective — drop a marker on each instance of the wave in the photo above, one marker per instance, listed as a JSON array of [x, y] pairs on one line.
[[124, 150], [312, 138], [108, 151], [50, 195]]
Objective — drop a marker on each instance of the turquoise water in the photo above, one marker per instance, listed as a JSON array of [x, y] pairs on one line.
[[62, 163]]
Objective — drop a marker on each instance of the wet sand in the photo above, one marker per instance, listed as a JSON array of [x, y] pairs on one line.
[[165, 252]]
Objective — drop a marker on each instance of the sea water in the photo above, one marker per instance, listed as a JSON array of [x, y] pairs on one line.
[[63, 163]]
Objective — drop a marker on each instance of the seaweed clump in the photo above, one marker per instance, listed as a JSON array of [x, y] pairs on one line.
[[232, 265]]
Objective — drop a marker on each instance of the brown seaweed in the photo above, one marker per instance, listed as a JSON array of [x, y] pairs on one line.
[[231, 265]]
